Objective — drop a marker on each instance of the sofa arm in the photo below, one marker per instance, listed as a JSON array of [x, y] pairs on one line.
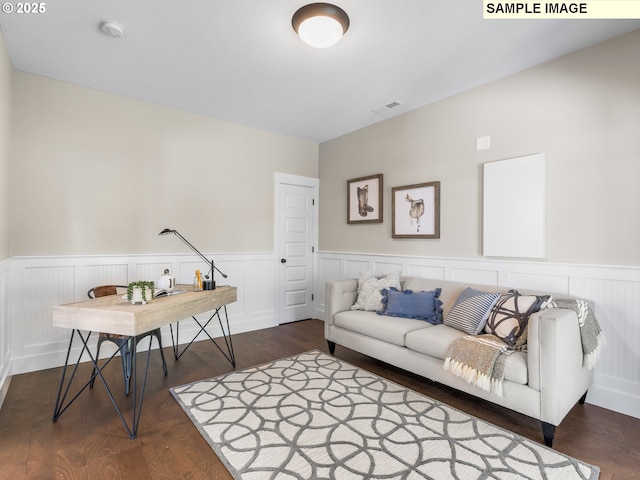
[[339, 296], [555, 362]]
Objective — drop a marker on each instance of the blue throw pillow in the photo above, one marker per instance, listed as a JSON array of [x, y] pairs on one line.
[[408, 304]]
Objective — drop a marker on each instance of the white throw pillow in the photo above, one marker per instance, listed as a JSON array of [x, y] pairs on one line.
[[369, 291]]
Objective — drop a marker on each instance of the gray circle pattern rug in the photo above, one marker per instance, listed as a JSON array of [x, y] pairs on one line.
[[313, 416]]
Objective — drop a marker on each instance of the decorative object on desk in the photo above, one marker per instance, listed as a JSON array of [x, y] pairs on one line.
[[416, 211], [364, 199], [315, 416], [140, 291], [166, 281], [210, 284], [197, 281]]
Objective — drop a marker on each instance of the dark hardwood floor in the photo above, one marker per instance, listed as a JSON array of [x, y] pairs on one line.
[[89, 441]]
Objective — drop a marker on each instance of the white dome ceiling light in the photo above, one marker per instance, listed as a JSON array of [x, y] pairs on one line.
[[320, 24]]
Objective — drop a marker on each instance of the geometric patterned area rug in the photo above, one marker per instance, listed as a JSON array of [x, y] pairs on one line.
[[313, 416]]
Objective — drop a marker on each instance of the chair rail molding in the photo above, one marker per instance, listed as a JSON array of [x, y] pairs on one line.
[[613, 291]]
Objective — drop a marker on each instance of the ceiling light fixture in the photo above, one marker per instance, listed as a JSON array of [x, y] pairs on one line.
[[112, 29], [320, 24]]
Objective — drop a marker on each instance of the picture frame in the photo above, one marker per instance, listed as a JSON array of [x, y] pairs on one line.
[[364, 199], [416, 211]]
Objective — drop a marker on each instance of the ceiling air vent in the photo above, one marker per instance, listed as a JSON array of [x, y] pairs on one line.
[[386, 108]]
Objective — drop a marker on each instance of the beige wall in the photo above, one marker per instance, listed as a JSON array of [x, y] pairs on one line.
[[582, 111], [96, 173], [5, 138]]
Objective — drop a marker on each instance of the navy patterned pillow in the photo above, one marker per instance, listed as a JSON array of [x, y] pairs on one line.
[[509, 318]]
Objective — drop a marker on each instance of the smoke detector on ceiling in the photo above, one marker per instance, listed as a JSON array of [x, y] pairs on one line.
[[112, 29]]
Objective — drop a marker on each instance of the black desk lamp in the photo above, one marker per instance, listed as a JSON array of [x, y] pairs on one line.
[[208, 285]]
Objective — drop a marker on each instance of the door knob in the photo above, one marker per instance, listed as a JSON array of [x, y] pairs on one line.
[[283, 260]]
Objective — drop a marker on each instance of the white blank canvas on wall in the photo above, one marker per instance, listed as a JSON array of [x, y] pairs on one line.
[[514, 207]]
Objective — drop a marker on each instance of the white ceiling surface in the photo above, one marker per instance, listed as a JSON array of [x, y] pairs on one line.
[[241, 61]]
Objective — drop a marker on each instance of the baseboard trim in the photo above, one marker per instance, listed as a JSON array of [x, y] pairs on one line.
[[609, 393]]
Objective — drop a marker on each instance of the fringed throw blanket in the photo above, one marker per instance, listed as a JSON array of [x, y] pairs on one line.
[[480, 360], [593, 339]]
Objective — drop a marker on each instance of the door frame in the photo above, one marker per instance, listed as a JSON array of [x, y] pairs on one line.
[[279, 180]]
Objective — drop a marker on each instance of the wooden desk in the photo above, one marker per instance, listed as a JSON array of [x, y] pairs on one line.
[[113, 314]]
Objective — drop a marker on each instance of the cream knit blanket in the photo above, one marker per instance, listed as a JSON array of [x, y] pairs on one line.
[[480, 360]]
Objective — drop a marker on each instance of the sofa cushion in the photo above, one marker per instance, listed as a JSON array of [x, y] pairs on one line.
[[509, 317], [516, 370], [409, 304], [369, 291], [471, 310], [388, 329], [435, 342]]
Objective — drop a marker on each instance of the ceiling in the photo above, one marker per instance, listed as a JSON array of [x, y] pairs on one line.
[[241, 61]]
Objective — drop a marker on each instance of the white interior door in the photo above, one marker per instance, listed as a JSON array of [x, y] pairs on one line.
[[296, 248]]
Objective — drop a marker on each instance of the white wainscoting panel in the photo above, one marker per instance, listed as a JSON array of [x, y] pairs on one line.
[[38, 283], [30, 286], [614, 293], [110, 274], [5, 328]]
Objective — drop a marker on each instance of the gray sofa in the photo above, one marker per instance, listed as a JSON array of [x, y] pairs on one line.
[[543, 382]]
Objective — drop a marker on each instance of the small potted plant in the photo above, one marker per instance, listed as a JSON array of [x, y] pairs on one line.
[[140, 291]]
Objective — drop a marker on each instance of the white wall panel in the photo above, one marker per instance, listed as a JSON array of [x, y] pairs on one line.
[[353, 268], [617, 306], [383, 267], [473, 275], [106, 274], [426, 271], [42, 287], [5, 328], [261, 291], [539, 281], [614, 293], [151, 270]]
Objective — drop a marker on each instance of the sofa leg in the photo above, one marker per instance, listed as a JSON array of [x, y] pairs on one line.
[[548, 431], [583, 398], [332, 347]]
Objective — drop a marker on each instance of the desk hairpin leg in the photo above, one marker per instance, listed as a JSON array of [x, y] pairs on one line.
[[60, 407], [229, 354], [136, 402]]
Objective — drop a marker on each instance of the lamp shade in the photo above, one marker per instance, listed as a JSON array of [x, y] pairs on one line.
[[320, 24]]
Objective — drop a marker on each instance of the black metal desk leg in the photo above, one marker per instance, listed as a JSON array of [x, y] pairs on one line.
[[65, 383], [229, 354]]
